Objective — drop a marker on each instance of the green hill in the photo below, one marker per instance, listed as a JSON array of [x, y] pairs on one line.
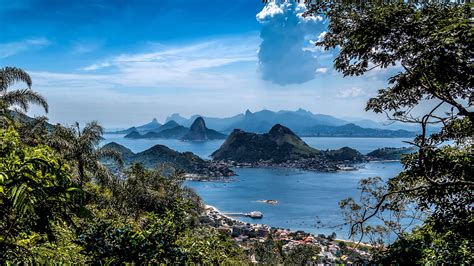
[[279, 144], [160, 154]]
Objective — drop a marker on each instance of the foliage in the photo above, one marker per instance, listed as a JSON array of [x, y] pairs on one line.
[[302, 255], [430, 48], [205, 246], [36, 193], [153, 240], [81, 148], [86, 214], [151, 190], [21, 98], [427, 245]]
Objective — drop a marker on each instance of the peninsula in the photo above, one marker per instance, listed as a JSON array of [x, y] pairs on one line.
[[195, 167]]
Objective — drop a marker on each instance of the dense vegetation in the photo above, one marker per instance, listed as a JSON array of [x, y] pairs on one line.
[[430, 46], [60, 203]]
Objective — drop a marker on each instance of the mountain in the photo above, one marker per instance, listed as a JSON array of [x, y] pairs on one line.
[[173, 133], [133, 135], [172, 130], [160, 154], [302, 122], [152, 126], [178, 118], [168, 125], [262, 121], [390, 125], [279, 144], [352, 130], [390, 153], [212, 122], [199, 132]]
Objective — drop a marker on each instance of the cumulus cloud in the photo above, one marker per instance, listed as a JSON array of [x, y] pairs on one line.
[[322, 70], [285, 54], [350, 92]]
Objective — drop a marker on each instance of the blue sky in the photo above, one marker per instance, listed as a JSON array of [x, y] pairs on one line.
[[125, 62]]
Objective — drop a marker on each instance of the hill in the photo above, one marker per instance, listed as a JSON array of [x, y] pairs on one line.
[[277, 146], [160, 154], [389, 153]]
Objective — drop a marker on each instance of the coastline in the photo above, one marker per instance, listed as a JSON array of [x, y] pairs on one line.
[[247, 234], [213, 208]]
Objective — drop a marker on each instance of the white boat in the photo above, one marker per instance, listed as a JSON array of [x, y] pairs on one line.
[[255, 215]]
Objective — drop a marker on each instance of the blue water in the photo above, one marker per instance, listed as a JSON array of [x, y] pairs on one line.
[[304, 197]]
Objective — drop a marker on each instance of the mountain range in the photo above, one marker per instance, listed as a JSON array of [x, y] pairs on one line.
[[262, 121], [172, 130], [302, 122]]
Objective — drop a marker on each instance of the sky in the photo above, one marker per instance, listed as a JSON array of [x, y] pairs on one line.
[[125, 62]]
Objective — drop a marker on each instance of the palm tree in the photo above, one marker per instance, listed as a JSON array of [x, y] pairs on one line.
[[21, 98], [81, 147]]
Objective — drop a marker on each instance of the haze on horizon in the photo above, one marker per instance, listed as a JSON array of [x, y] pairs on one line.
[[124, 64]]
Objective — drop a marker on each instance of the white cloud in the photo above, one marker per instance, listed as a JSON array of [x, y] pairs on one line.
[[192, 65], [12, 48], [322, 70], [286, 54], [350, 93]]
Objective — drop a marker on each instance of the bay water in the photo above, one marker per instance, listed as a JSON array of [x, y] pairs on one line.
[[304, 197]]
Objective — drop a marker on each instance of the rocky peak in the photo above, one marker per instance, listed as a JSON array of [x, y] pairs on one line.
[[198, 125], [247, 113], [279, 130]]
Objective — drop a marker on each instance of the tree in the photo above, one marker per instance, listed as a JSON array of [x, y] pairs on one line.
[[82, 148], [36, 193], [21, 98], [150, 190], [430, 47]]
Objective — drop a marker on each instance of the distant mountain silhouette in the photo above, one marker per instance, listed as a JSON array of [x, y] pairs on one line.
[[172, 130], [262, 121], [302, 122], [152, 126], [352, 130], [199, 132]]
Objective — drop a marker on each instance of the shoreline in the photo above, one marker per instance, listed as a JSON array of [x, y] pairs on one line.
[[227, 179], [216, 210]]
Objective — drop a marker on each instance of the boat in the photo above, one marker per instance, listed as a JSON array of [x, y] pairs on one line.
[[255, 215]]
